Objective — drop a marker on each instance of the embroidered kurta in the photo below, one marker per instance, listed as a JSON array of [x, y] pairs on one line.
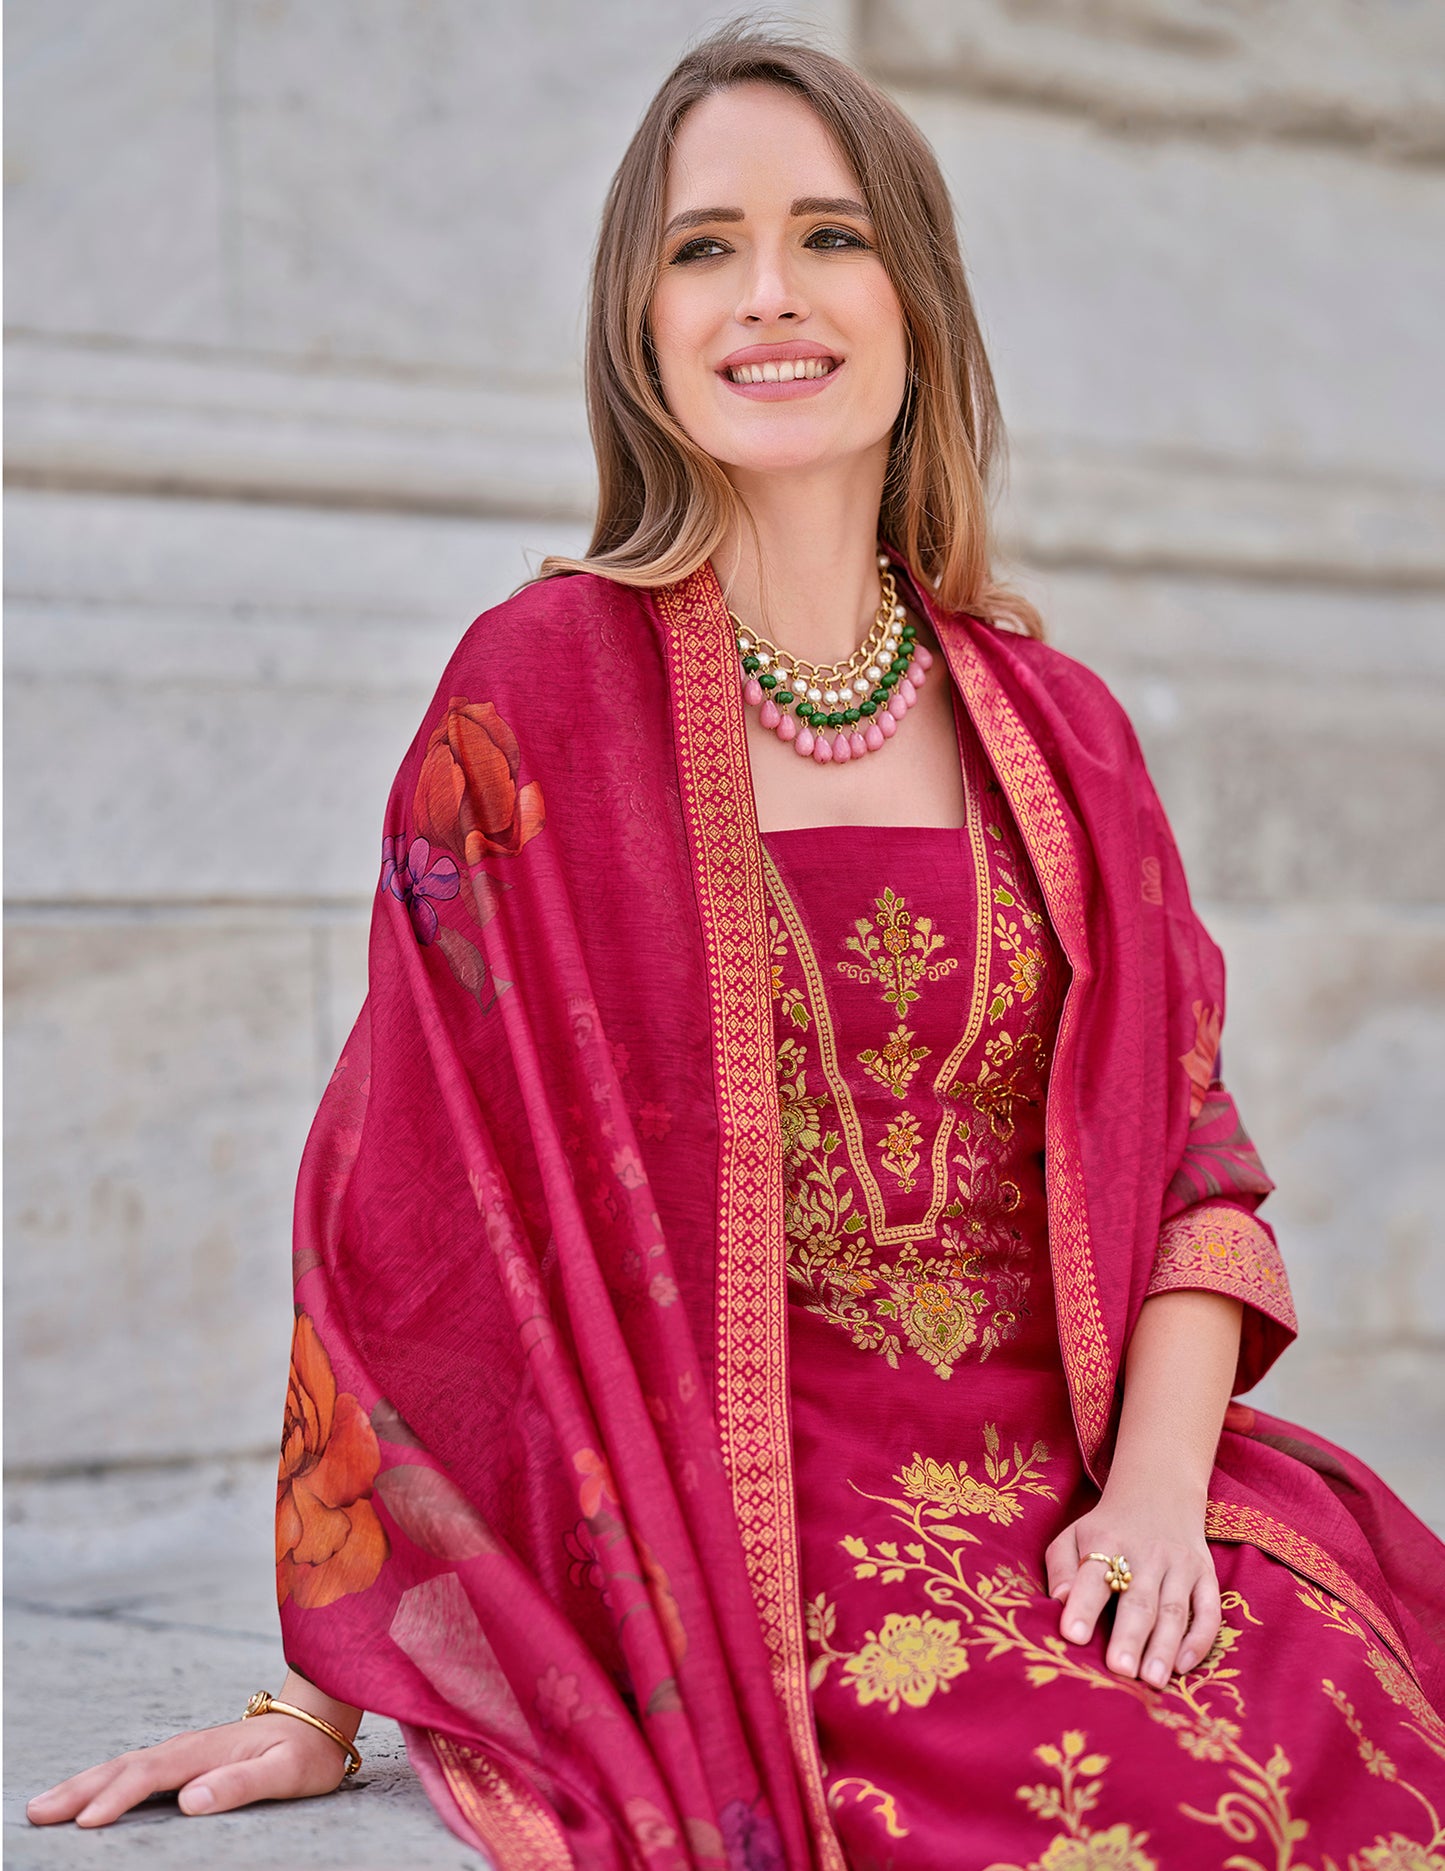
[[917, 985], [590, 1382]]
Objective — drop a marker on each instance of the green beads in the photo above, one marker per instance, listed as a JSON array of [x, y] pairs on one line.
[[751, 665]]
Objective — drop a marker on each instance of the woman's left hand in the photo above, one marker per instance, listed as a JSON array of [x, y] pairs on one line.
[[1169, 1616]]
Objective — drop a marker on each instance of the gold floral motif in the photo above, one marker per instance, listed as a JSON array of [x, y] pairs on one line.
[[912, 1656], [895, 1061], [954, 1284], [896, 951], [1396, 1853], [1079, 1847], [899, 1145]]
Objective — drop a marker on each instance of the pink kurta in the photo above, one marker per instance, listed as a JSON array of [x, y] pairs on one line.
[[917, 988]]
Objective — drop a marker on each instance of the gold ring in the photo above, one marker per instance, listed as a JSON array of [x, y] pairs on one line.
[[1117, 1575], [263, 1703]]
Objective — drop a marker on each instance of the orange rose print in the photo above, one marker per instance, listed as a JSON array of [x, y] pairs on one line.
[[467, 797], [1198, 1062], [328, 1539]]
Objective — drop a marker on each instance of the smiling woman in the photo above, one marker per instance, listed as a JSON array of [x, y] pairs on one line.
[[775, 1257]]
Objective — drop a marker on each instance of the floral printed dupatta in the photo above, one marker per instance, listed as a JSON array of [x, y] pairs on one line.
[[535, 1496]]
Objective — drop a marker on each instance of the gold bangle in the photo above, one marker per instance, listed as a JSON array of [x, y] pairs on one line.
[[264, 1703]]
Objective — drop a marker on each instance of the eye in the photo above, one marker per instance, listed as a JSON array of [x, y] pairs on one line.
[[705, 247], [834, 239]]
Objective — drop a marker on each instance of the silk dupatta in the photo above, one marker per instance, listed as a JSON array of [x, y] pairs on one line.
[[535, 1495]]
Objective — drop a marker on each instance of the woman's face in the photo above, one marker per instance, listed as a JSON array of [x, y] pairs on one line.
[[779, 337]]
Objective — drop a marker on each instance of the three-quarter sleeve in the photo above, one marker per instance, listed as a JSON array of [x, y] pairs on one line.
[[1211, 1240]]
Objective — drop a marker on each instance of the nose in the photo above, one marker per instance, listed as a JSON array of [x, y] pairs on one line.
[[771, 293]]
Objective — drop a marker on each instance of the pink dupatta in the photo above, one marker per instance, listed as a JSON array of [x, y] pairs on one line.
[[535, 1497]]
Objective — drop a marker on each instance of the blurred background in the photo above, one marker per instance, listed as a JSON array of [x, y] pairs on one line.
[[293, 337]]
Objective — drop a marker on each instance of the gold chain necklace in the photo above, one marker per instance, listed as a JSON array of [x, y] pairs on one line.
[[862, 698]]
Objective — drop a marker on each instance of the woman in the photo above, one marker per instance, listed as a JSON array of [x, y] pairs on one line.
[[775, 1256]]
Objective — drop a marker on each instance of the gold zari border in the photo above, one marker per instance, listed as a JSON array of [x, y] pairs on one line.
[[884, 1233], [1038, 810], [753, 1404], [1217, 1247], [1250, 1526], [516, 1828]]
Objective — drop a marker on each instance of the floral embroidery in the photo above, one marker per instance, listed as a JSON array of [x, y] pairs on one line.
[[994, 1616], [1216, 1246], [895, 1061], [467, 797], [913, 1655], [1079, 1847], [899, 1145], [899, 958], [953, 1283], [329, 1540], [417, 879]]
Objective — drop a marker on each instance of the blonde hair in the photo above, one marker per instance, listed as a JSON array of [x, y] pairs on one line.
[[664, 505]]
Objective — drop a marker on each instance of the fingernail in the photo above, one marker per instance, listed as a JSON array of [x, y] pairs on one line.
[[1126, 1665], [1186, 1661], [1078, 1632], [197, 1800], [1156, 1672]]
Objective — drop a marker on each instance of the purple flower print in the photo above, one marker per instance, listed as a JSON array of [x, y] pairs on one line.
[[417, 879], [750, 1839]]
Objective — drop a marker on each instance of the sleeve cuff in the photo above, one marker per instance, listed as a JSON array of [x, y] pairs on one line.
[[1219, 1248]]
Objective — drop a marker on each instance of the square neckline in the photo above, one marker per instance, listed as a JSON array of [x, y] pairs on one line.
[[925, 831]]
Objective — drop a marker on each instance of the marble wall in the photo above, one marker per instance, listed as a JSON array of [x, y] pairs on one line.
[[293, 345]]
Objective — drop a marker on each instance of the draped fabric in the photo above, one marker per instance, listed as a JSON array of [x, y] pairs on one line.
[[537, 1495], [917, 987]]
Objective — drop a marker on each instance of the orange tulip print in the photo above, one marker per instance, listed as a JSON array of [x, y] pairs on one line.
[[467, 798], [1198, 1062], [328, 1539]]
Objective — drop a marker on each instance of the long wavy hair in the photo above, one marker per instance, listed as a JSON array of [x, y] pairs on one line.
[[664, 505]]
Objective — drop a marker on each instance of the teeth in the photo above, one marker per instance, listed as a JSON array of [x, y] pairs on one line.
[[803, 368]]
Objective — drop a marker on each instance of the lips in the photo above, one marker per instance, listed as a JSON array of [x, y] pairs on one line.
[[775, 367]]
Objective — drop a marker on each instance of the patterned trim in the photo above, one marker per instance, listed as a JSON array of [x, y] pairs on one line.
[[1222, 1249], [754, 1417], [1248, 1526], [515, 1827], [884, 1233], [1038, 810]]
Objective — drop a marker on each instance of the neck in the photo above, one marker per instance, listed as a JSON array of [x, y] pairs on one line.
[[808, 577]]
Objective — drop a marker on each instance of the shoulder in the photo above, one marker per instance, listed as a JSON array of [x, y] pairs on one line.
[[1078, 694], [543, 619]]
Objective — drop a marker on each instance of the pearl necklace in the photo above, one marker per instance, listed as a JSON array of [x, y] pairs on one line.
[[862, 699]]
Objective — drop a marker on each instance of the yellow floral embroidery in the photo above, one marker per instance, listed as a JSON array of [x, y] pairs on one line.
[[900, 957], [1079, 1847], [951, 1284], [912, 1656], [899, 1144], [947, 1490], [1396, 1853], [1016, 921], [894, 1063]]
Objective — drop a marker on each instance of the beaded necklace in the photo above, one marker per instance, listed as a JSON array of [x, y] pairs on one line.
[[860, 700]]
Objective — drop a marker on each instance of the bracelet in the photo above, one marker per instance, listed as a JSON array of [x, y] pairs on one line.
[[264, 1703]]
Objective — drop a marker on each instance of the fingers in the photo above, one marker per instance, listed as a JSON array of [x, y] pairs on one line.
[[1171, 1620], [1061, 1563], [268, 1757], [1202, 1632], [102, 1793], [1086, 1598], [283, 1772]]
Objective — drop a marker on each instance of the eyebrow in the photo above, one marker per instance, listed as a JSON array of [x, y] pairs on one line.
[[805, 204]]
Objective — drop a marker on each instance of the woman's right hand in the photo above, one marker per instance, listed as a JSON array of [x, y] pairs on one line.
[[266, 1757]]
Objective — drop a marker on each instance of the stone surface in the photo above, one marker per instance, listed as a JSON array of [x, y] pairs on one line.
[[169, 1072], [155, 1589], [113, 171], [1269, 306], [1324, 70]]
